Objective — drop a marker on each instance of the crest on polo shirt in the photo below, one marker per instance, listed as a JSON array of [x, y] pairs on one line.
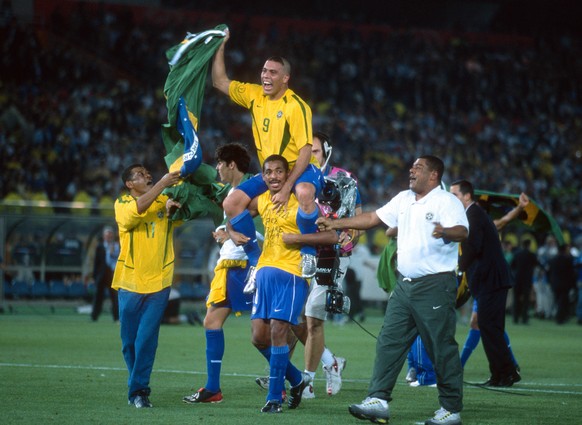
[[429, 216], [279, 114]]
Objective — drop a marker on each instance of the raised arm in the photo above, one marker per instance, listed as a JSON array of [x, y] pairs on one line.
[[148, 198], [500, 223], [219, 78]]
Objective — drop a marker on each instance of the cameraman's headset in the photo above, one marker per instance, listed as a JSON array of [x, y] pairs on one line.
[[325, 145]]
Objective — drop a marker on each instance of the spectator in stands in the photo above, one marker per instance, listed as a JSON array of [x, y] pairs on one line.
[[52, 113]]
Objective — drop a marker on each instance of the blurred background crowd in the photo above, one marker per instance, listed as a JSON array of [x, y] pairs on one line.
[[81, 95], [492, 87]]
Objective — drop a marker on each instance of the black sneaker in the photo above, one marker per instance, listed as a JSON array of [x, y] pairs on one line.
[[503, 381], [272, 406], [203, 396], [142, 401], [509, 380], [296, 392]]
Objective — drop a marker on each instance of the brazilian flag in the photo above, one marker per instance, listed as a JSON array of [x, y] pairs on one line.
[[200, 194], [533, 216], [386, 272], [184, 91]]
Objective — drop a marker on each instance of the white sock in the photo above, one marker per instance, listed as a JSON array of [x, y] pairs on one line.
[[311, 374], [327, 358]]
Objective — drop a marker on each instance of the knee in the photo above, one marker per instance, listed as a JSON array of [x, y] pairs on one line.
[[260, 339], [259, 343], [315, 327], [211, 324], [305, 193], [234, 204], [230, 207]]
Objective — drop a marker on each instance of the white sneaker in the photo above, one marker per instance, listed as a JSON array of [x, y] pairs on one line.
[[373, 409], [308, 392], [443, 416], [333, 375], [308, 265], [263, 382], [411, 375], [251, 284]]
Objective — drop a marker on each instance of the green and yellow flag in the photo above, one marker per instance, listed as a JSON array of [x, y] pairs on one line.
[[184, 92], [200, 194], [533, 216]]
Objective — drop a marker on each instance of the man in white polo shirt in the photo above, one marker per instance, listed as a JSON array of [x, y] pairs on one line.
[[430, 222]]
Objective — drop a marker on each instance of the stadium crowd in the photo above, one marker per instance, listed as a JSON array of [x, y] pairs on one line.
[[81, 94]]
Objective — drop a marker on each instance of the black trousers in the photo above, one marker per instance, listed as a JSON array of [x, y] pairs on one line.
[[521, 302], [491, 320], [102, 286]]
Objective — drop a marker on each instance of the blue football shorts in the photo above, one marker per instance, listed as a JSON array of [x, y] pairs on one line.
[[235, 283], [280, 295]]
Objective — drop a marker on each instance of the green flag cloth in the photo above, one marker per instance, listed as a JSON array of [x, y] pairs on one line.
[[200, 194], [386, 273], [194, 204], [188, 62], [533, 216]]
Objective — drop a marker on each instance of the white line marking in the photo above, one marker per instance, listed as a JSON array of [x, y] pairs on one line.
[[518, 387]]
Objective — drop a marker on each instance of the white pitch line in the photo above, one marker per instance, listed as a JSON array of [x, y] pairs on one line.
[[246, 375]]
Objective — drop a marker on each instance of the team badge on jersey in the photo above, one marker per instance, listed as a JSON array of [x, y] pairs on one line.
[[160, 214], [429, 216], [279, 114]]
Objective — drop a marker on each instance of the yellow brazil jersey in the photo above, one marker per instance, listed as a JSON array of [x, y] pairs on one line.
[[146, 258], [279, 126], [276, 253]]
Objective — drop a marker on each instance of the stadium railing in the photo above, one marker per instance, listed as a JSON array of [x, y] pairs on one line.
[[42, 243]]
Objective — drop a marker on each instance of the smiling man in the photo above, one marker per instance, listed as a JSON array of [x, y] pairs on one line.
[[281, 124], [281, 290], [144, 272], [430, 223]]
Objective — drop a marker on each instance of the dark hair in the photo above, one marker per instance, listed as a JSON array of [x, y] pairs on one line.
[[435, 164], [127, 174], [325, 143], [234, 152], [277, 157], [465, 187], [282, 61]]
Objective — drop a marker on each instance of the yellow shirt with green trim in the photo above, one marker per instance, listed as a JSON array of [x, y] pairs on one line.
[[281, 126], [146, 258], [275, 252]]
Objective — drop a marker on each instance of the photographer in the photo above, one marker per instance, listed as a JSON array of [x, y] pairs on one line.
[[339, 198]]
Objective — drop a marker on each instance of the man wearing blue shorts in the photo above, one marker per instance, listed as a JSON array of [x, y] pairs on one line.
[[281, 290], [226, 289], [281, 124]]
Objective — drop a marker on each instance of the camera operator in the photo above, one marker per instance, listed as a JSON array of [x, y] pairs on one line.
[[339, 197]]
